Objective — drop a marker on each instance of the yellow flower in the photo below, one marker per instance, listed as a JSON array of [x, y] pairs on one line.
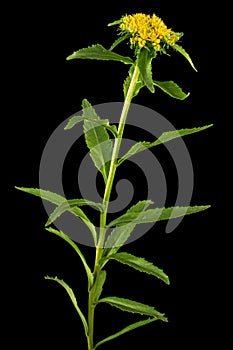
[[147, 30]]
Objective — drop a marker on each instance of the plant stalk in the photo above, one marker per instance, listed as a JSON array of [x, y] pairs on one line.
[[107, 194]]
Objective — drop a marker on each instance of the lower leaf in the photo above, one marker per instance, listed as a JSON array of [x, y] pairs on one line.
[[125, 330], [73, 299], [76, 248], [133, 307]]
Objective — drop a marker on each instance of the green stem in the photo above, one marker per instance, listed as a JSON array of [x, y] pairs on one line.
[[115, 153], [107, 194]]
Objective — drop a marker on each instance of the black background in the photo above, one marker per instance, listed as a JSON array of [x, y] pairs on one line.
[[44, 89]]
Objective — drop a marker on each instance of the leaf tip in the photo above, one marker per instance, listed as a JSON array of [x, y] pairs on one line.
[[48, 222], [70, 57]]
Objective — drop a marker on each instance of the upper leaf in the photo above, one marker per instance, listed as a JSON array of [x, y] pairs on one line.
[[67, 205], [117, 238], [165, 137], [79, 118], [140, 84], [97, 140], [98, 52], [119, 40], [59, 200], [144, 61], [157, 214], [44, 194], [140, 264], [134, 307], [172, 89], [184, 53], [120, 235]]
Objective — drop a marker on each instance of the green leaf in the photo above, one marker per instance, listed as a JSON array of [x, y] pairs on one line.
[[76, 248], [119, 235], [112, 129], [133, 306], [98, 52], [127, 329], [157, 214], [117, 238], [58, 200], [165, 137], [140, 264], [99, 287], [119, 40], [97, 140], [118, 21], [144, 63], [139, 85], [172, 89], [79, 118], [140, 206], [184, 53], [71, 203], [81, 215], [44, 194], [73, 299]]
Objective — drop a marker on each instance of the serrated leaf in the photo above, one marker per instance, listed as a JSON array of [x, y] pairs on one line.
[[99, 287], [157, 214], [79, 118], [119, 40], [58, 200], [117, 238], [133, 307], [184, 53], [98, 52], [140, 206], [119, 235], [81, 215], [67, 205], [127, 329], [144, 61], [172, 89], [78, 251], [139, 85], [113, 130], [140, 264], [97, 140], [165, 137], [73, 299], [44, 194], [118, 21]]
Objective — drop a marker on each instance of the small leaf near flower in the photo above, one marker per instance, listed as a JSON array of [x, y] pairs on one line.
[[98, 52]]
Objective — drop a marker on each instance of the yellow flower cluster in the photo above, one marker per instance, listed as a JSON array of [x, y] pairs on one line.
[[145, 28]]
